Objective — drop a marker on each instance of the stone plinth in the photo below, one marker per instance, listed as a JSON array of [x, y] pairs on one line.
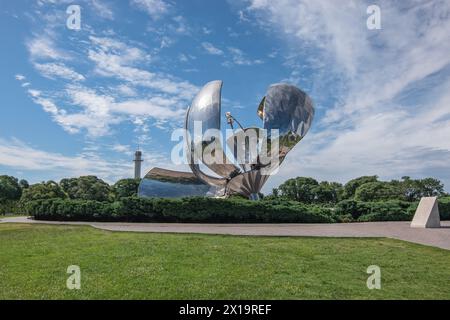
[[427, 214]]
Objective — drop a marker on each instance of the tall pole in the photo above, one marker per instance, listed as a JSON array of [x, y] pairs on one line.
[[137, 164]]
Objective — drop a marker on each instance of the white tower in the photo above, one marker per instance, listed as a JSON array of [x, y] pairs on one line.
[[137, 164]]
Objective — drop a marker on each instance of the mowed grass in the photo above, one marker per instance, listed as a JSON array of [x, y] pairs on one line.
[[122, 265]]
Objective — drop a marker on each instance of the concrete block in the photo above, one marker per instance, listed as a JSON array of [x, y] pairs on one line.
[[427, 214]]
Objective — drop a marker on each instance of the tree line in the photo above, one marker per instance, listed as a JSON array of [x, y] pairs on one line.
[[364, 189], [14, 191], [299, 200]]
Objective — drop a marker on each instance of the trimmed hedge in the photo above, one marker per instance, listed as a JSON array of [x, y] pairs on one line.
[[391, 210], [234, 210], [10, 206], [196, 209], [444, 208]]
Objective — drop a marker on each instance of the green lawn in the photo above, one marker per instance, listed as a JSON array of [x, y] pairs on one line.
[[34, 259]]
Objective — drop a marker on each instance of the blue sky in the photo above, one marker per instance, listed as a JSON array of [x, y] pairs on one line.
[[78, 102]]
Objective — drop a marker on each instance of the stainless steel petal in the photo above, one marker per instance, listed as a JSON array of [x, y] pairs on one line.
[[291, 111], [205, 111], [248, 183]]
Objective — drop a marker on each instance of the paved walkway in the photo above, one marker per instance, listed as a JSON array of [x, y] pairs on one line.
[[397, 230]]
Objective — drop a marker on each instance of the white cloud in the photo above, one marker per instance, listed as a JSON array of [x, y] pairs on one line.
[[52, 70], [97, 112], [116, 59], [239, 58], [211, 49], [42, 47], [20, 77], [242, 17], [102, 9], [154, 8], [34, 93], [79, 109], [126, 90], [125, 149], [391, 117], [54, 165], [181, 26], [206, 30], [182, 57], [165, 42], [156, 107], [12, 153], [48, 105]]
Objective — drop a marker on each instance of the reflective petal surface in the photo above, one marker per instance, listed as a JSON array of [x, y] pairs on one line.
[[162, 183], [205, 112]]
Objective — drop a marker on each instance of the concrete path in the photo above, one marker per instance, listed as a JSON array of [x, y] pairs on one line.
[[397, 230]]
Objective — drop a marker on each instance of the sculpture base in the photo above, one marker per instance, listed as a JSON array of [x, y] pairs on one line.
[[427, 214], [254, 196]]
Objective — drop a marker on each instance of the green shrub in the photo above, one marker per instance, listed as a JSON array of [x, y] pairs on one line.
[[209, 210], [444, 208], [196, 209], [391, 210], [44, 190], [352, 207], [10, 206], [346, 218]]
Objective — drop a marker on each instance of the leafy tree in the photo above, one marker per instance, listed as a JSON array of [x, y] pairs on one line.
[[126, 188], [43, 190], [351, 186], [327, 192], [431, 187], [300, 189], [375, 191], [24, 184], [413, 190], [9, 188], [86, 188], [275, 192]]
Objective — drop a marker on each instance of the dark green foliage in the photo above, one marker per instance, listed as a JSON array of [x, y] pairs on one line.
[[298, 200], [44, 190], [351, 186], [9, 188], [444, 208], [308, 190], [275, 192], [24, 184], [376, 191], [299, 189], [328, 192], [10, 206], [351, 207], [206, 210], [86, 188], [367, 189], [414, 189], [126, 188], [391, 210]]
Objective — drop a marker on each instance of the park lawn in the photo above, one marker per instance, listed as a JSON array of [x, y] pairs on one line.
[[124, 265]]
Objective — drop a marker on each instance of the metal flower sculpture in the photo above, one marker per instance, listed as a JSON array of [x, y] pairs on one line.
[[286, 113]]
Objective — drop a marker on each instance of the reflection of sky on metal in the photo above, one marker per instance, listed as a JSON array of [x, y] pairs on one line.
[[164, 189], [289, 110], [205, 109]]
